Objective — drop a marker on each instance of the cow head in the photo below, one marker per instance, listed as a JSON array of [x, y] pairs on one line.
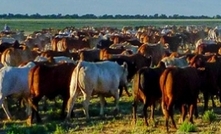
[[123, 80]]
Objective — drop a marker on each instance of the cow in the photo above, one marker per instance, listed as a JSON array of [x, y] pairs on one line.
[[134, 62], [173, 41], [178, 83], [14, 81], [107, 53], [15, 56], [146, 88], [89, 54], [102, 78], [173, 61], [104, 43], [200, 61], [5, 45], [70, 44], [40, 86], [56, 59], [51, 53], [156, 51], [205, 46]]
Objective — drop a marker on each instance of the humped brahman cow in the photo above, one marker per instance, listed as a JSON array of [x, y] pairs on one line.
[[102, 78]]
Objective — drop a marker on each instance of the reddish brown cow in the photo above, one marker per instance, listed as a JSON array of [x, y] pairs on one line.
[[69, 43], [54, 42], [40, 85], [107, 53], [178, 83]]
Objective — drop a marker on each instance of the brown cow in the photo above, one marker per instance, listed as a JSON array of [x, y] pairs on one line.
[[156, 51], [178, 83], [69, 44], [199, 61], [40, 85], [90, 54], [107, 53], [15, 56], [146, 88]]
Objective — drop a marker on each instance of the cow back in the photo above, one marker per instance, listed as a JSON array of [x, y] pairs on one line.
[[50, 80]]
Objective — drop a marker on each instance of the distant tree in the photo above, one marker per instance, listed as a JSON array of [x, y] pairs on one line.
[[105, 16]]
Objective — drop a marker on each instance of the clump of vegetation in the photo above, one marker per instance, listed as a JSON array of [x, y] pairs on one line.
[[59, 130], [209, 116], [187, 127]]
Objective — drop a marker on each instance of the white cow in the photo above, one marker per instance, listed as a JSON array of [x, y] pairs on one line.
[[175, 62], [14, 81], [57, 59], [102, 78]]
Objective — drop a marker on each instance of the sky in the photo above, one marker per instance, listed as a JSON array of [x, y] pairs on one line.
[[112, 7]]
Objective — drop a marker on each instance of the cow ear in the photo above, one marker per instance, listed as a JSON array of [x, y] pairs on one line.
[[124, 65]]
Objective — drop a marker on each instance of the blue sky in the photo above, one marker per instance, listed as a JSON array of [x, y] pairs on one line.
[[112, 7]]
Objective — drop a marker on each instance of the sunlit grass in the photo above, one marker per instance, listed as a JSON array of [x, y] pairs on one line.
[[110, 124]]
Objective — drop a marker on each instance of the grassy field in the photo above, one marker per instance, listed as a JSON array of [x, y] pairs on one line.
[[30, 25], [110, 124]]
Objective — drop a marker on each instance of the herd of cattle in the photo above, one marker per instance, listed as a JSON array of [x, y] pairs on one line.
[[171, 64]]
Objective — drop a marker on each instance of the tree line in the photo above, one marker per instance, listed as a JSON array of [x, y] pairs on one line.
[[105, 16]]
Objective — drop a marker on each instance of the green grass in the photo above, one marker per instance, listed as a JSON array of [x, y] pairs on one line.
[[30, 25], [187, 127], [120, 124], [209, 116]]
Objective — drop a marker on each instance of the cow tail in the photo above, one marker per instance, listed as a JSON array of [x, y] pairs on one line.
[[73, 84], [77, 69], [162, 83], [138, 92], [31, 86]]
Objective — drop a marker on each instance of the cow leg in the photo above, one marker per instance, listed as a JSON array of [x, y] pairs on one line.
[[134, 105], [171, 116], [170, 109], [152, 107], [165, 112], [145, 114], [35, 111], [102, 103], [124, 88], [183, 110], [116, 97], [85, 103], [191, 109], [64, 105], [196, 110], [70, 103], [213, 103], [206, 99], [5, 108]]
